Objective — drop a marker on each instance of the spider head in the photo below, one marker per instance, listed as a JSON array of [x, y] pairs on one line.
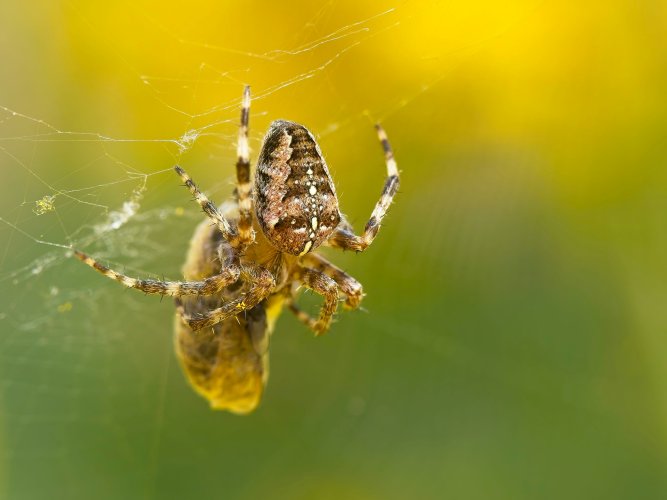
[[295, 198]]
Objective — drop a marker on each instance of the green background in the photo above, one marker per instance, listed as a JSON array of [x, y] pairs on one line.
[[513, 343]]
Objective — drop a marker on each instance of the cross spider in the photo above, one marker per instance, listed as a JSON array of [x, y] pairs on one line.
[[253, 262]]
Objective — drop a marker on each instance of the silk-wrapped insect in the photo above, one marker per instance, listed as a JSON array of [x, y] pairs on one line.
[[261, 249]]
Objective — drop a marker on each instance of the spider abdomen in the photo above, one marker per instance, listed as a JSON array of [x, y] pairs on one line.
[[295, 198]]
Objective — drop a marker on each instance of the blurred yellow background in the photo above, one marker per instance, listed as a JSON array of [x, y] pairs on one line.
[[514, 343]]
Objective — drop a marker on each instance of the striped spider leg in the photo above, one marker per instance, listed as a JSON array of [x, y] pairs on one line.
[[321, 276], [241, 270], [238, 239], [343, 237], [347, 285], [261, 283], [326, 279]]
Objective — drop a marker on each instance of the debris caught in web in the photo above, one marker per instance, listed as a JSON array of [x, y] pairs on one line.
[[44, 205]]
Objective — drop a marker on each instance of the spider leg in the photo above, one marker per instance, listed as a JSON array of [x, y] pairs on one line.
[[208, 207], [323, 285], [301, 315], [343, 237], [228, 275], [245, 233], [261, 283], [350, 287]]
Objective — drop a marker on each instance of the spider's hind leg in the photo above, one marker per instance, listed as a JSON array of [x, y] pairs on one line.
[[343, 237], [243, 186], [243, 235]]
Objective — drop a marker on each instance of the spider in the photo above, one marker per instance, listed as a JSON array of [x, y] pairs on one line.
[[241, 270]]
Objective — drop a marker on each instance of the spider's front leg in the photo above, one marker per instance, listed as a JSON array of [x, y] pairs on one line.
[[343, 237], [323, 285], [228, 275], [350, 287], [261, 283]]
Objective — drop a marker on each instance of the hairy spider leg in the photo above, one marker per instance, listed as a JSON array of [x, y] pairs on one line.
[[350, 287], [343, 237], [208, 207], [246, 234], [325, 286], [301, 315], [261, 283], [228, 275]]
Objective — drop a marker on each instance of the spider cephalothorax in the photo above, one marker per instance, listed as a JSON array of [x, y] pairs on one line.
[[241, 270]]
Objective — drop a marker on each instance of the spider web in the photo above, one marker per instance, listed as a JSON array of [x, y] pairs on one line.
[[112, 193], [99, 112]]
